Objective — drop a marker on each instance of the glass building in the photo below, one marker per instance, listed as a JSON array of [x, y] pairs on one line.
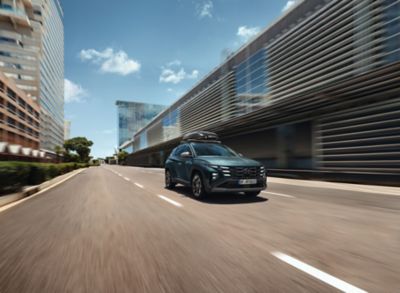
[[51, 73], [32, 54], [317, 90], [132, 116]]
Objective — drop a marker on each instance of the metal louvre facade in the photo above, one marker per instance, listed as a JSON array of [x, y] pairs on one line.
[[211, 106], [363, 138], [318, 90]]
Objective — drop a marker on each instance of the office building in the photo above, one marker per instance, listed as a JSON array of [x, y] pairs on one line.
[[317, 92], [19, 122], [67, 130], [32, 53], [52, 73], [132, 116]]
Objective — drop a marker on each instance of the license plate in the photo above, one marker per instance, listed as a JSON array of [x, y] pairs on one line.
[[247, 181]]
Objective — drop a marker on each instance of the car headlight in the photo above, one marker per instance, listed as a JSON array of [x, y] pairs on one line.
[[216, 167], [262, 171], [225, 171]]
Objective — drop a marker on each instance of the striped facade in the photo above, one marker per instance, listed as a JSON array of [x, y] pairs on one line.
[[317, 90]]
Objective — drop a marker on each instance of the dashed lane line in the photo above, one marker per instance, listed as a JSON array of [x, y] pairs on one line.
[[139, 185], [279, 194], [175, 203], [318, 274]]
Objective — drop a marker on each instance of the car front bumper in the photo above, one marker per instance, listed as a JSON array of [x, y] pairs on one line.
[[232, 185]]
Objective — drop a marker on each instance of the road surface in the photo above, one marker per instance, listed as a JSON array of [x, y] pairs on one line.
[[116, 229]]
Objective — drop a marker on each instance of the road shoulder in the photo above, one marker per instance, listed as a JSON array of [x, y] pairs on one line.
[[9, 201]]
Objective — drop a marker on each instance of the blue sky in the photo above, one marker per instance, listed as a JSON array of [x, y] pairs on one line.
[[148, 51]]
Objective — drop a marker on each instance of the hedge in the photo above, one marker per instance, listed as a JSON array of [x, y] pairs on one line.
[[15, 175]]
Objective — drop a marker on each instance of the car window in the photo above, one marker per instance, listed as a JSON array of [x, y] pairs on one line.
[[181, 149], [176, 150], [212, 149]]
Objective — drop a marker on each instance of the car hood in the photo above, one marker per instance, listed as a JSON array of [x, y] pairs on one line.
[[229, 161]]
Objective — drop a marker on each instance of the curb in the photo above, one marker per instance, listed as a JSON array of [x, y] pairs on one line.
[[31, 190], [26, 191]]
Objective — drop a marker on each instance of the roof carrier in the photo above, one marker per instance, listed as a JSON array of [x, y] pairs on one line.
[[201, 136]]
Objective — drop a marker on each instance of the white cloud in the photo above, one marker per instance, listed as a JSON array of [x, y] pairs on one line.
[[246, 33], [174, 63], [289, 5], [73, 92], [110, 61], [174, 73], [205, 9]]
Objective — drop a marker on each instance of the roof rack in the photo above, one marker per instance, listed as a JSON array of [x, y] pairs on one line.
[[200, 136], [199, 140]]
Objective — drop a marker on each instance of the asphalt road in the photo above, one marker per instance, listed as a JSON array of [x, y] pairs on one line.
[[116, 229]]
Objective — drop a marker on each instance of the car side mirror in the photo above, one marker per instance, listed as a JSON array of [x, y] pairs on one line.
[[186, 155]]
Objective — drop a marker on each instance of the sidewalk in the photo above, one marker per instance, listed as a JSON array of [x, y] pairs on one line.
[[377, 189]]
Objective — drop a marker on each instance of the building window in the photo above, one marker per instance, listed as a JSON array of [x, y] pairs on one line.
[[11, 94], [22, 103], [21, 115], [11, 122], [22, 127], [7, 40], [251, 82], [392, 31], [11, 108]]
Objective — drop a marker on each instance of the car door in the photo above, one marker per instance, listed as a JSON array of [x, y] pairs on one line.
[[177, 161], [173, 162]]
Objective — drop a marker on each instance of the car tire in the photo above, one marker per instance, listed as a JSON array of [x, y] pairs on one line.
[[169, 184], [252, 193], [198, 190]]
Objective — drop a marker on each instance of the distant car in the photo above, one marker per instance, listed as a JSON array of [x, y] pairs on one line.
[[208, 166]]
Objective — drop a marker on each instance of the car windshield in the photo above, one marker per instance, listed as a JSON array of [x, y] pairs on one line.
[[212, 149]]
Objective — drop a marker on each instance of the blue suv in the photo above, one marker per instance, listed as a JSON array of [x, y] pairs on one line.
[[207, 166]]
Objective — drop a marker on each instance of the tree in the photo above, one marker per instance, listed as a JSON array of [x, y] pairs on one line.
[[80, 145], [59, 151], [122, 155]]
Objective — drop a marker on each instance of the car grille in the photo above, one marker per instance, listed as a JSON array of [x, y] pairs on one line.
[[246, 172]]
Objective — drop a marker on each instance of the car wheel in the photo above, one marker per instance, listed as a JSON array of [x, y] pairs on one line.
[[168, 180], [198, 187], [252, 193]]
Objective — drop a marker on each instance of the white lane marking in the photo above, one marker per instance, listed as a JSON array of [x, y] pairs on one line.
[[320, 275], [279, 194], [6, 207], [127, 179], [177, 204], [139, 185]]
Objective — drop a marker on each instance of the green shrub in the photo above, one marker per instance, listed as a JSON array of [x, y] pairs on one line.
[[53, 171], [15, 175], [37, 175]]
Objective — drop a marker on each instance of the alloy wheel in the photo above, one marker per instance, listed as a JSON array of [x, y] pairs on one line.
[[196, 186]]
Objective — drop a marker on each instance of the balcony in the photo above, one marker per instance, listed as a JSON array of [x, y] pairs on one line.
[[16, 15]]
